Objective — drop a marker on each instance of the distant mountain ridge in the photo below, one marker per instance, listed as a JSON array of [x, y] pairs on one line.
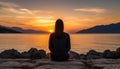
[[5, 29], [111, 28]]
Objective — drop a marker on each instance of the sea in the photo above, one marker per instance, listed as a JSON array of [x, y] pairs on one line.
[[80, 43]]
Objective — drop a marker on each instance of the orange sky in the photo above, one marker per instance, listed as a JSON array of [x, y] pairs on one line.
[[42, 15]]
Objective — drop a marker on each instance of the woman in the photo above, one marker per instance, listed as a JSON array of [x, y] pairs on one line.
[[59, 43]]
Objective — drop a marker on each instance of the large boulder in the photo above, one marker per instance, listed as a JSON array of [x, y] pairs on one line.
[[11, 53], [92, 54]]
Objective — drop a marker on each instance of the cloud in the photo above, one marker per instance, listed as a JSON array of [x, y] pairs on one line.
[[8, 8], [7, 4], [13, 13], [92, 10], [12, 9]]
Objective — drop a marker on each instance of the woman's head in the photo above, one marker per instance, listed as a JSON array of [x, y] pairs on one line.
[[59, 27]]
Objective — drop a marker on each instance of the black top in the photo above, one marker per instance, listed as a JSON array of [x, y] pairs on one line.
[[59, 47]]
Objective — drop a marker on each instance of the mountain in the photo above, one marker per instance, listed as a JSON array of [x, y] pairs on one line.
[[4, 29], [111, 28], [27, 30]]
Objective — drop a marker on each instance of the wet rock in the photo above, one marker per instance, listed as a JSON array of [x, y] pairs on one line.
[[11, 53], [92, 54], [74, 55]]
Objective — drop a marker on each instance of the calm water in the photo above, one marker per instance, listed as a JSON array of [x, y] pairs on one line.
[[80, 43]]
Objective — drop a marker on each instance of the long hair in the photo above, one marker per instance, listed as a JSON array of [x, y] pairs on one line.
[[59, 28]]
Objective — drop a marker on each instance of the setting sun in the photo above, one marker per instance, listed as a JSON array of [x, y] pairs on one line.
[[51, 31]]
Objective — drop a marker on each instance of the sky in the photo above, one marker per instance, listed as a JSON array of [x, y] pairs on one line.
[[42, 14]]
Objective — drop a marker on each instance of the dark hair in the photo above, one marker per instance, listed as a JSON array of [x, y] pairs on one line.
[[59, 28]]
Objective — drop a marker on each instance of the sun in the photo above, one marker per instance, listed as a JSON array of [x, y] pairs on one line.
[[51, 31]]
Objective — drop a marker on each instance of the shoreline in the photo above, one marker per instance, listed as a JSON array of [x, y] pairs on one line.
[[34, 53], [37, 59]]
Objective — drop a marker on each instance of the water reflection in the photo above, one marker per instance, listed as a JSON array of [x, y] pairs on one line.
[[80, 43]]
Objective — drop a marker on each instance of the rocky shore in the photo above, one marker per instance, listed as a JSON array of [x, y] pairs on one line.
[[37, 59]]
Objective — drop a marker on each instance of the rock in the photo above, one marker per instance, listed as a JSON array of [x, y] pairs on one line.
[[43, 53], [107, 54], [105, 63], [112, 67], [25, 54], [11, 53], [118, 52], [74, 55], [82, 56], [33, 53], [110, 54], [10, 64], [90, 65], [75, 64], [115, 54], [92, 54], [27, 65], [32, 50]]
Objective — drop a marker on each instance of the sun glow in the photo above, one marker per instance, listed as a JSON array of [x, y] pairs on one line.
[[51, 31], [45, 21]]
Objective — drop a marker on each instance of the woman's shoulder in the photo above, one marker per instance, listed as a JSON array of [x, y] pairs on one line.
[[66, 34], [52, 34]]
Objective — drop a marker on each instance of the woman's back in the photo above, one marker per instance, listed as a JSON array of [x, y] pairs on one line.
[[59, 47], [60, 44]]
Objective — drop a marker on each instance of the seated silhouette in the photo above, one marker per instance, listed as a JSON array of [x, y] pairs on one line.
[[59, 43]]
